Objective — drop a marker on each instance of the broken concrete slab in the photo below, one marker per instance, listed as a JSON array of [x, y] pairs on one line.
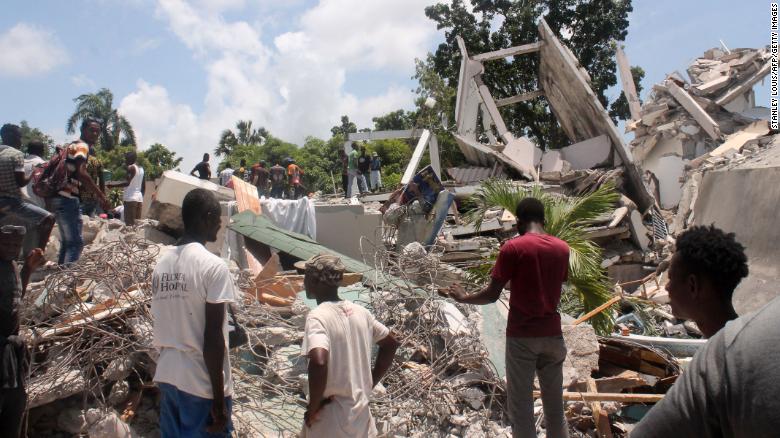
[[639, 232], [552, 161], [589, 153], [736, 141], [698, 113], [582, 358]]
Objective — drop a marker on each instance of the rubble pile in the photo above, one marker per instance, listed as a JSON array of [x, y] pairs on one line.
[[712, 115]]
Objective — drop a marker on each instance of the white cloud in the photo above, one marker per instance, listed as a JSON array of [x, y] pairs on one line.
[[157, 119], [83, 81], [296, 86], [30, 50], [143, 45]]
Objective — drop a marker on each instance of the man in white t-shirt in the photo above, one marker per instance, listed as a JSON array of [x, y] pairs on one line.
[[338, 339], [133, 196], [227, 172], [192, 289]]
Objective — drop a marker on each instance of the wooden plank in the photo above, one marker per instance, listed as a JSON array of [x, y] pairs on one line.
[[604, 397], [709, 125], [598, 310], [746, 86], [246, 199], [511, 51], [600, 417], [433, 152], [627, 81], [519, 98]]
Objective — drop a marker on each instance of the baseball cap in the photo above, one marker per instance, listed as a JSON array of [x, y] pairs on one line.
[[78, 150]]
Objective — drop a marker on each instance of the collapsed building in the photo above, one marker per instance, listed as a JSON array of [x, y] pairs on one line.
[[697, 147]]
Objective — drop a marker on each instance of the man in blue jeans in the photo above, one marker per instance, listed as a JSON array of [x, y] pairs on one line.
[[66, 204], [12, 179], [191, 291]]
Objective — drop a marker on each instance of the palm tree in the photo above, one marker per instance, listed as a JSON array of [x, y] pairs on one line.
[[565, 218], [244, 134], [100, 106]]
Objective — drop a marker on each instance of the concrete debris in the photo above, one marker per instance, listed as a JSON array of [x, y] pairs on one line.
[[92, 331], [682, 121]]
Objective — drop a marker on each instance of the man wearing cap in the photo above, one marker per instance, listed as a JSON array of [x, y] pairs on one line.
[[338, 339], [376, 172], [66, 204], [13, 352]]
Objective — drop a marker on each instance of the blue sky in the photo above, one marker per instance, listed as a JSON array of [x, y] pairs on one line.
[[183, 70]]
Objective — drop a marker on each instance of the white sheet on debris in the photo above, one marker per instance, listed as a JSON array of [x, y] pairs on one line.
[[297, 216]]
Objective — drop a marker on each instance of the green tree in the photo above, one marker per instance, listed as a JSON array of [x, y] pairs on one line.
[[34, 134], [440, 117], [159, 159], [619, 108], [320, 162], [590, 26], [114, 161], [345, 128], [396, 120], [244, 134], [565, 218], [115, 129]]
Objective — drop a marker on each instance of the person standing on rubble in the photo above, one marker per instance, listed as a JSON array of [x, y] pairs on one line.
[[344, 159], [376, 172], [13, 351], [294, 173], [66, 203], [278, 179], [364, 168], [227, 172], [260, 178], [191, 291], [338, 339], [133, 197], [12, 178], [730, 387], [203, 168], [537, 265], [352, 170]]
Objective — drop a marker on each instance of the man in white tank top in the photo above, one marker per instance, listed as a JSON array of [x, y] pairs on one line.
[[133, 197]]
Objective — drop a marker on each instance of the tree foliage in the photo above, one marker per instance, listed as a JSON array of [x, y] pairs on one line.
[[619, 108], [159, 159], [243, 135], [344, 129], [155, 160], [565, 218], [395, 121], [588, 27], [115, 130], [34, 134]]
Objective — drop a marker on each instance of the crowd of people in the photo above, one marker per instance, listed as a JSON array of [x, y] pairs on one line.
[[354, 168], [280, 182], [36, 193]]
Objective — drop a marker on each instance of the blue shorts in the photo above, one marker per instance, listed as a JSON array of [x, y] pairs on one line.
[[183, 415]]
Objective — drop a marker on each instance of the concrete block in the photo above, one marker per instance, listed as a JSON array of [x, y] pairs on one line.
[[171, 190], [552, 161], [340, 227], [589, 153]]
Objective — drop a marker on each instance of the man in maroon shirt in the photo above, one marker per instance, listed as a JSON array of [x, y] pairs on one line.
[[536, 264]]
